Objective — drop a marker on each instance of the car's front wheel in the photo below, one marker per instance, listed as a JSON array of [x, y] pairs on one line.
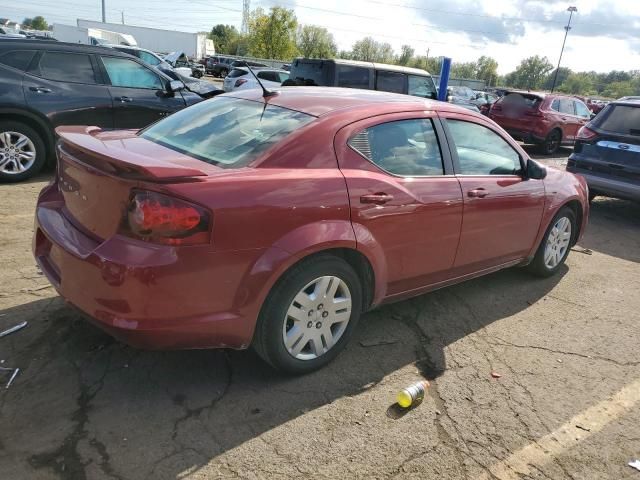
[[309, 315], [556, 244], [22, 151]]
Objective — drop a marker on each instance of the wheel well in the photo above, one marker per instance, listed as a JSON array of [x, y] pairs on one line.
[[47, 137], [359, 263], [556, 129], [577, 210]]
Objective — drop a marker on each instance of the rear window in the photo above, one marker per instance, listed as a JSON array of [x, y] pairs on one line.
[[521, 100], [19, 59], [236, 72], [619, 119], [227, 132]]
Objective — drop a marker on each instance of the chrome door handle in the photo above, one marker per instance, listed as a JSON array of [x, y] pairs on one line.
[[376, 198], [477, 193], [124, 99]]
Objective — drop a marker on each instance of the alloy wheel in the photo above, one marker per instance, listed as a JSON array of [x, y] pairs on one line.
[[317, 317], [557, 243], [17, 153]]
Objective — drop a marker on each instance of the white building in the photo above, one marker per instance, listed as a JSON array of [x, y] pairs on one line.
[[194, 45]]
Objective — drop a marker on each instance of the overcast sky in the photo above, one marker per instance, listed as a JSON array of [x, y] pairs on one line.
[[605, 34]]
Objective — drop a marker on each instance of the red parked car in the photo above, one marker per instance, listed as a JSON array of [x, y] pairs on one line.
[[546, 119], [275, 222]]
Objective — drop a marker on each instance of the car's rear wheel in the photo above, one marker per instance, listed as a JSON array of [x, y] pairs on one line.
[[22, 151], [551, 143], [556, 244], [309, 315], [224, 72]]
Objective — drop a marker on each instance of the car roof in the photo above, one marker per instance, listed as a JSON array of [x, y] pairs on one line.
[[631, 102], [59, 46], [377, 66], [319, 101]]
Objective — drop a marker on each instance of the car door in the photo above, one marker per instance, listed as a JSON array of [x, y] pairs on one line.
[[570, 121], [502, 208], [403, 195], [139, 93], [67, 87]]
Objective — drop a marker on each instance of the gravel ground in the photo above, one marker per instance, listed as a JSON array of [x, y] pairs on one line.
[[562, 403]]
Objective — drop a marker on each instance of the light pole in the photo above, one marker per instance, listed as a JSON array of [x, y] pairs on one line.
[[566, 32], [104, 17]]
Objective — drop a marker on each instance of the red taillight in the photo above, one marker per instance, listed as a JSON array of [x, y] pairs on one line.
[[240, 81], [158, 218], [586, 133]]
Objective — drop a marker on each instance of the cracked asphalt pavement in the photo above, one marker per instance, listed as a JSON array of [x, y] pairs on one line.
[[565, 403]]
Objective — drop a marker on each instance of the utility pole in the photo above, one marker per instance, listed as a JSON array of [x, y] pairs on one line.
[[566, 32], [122, 16], [104, 16], [246, 9]]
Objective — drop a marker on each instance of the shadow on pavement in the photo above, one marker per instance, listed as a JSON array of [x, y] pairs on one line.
[[611, 215], [85, 403]]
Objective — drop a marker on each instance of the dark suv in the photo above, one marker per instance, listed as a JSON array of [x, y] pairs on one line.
[[45, 84], [219, 66], [607, 152]]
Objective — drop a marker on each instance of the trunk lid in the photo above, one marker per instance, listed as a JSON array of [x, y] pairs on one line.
[[98, 169]]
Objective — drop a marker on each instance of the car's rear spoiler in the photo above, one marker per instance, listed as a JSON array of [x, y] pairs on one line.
[[90, 145]]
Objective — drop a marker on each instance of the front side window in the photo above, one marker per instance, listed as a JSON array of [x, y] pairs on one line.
[[353, 77], [19, 59], [421, 87], [555, 105], [481, 151], [582, 110], [226, 131], [66, 67], [390, 81], [405, 147], [127, 73]]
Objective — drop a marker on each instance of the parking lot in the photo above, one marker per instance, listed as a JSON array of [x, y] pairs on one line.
[[530, 378]]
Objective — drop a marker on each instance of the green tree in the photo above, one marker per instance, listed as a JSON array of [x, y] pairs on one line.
[[430, 64], [224, 37], [406, 54], [273, 35], [563, 74], [464, 70], [578, 83], [530, 74], [36, 23], [619, 89], [368, 50], [487, 70], [315, 42]]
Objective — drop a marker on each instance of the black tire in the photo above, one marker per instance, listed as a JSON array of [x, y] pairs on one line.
[[39, 146], [552, 143], [224, 72], [538, 266], [268, 339]]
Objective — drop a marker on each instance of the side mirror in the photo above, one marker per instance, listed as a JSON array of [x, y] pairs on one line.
[[175, 86], [535, 171]]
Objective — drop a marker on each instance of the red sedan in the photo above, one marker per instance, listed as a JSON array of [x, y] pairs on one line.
[[275, 222]]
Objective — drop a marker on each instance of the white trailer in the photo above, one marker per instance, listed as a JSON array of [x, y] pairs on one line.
[[194, 45], [90, 36]]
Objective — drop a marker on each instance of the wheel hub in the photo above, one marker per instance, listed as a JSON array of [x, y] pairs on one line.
[[557, 242]]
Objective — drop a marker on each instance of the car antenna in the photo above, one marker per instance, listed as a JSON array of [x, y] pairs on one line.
[[265, 93]]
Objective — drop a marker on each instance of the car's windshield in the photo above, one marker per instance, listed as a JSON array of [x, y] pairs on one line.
[[225, 131]]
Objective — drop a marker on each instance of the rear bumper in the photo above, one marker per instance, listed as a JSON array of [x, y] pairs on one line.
[[608, 186], [148, 296]]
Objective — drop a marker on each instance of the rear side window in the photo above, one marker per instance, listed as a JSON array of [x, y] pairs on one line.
[[19, 59], [582, 110], [269, 76], [481, 151], [406, 147], [126, 73], [555, 105], [353, 77], [567, 106], [421, 86], [619, 119], [226, 131], [390, 81], [66, 67]]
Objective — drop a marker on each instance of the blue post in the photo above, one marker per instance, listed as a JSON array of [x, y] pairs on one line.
[[444, 79]]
